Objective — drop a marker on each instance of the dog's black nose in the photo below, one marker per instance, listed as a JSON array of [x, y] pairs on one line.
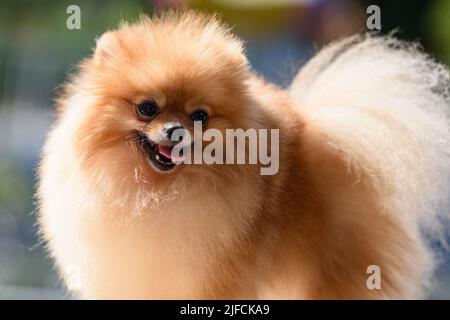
[[170, 128]]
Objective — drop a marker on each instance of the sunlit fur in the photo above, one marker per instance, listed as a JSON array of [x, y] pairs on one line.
[[364, 164]]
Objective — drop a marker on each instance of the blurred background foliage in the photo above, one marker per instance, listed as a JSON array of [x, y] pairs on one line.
[[37, 52]]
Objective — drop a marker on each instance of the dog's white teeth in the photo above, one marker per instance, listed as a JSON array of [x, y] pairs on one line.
[[157, 157]]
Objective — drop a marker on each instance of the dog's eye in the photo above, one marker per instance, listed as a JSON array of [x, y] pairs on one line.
[[147, 110], [199, 115]]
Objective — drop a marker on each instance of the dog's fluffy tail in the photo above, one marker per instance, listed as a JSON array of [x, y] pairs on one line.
[[385, 106]]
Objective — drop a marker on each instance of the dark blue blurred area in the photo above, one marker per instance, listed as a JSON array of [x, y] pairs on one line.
[[37, 52]]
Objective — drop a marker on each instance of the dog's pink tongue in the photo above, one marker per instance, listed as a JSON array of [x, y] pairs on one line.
[[167, 152]]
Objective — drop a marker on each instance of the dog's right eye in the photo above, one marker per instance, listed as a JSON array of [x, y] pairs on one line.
[[147, 110]]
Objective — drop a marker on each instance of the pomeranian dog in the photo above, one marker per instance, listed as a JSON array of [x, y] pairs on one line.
[[364, 153]]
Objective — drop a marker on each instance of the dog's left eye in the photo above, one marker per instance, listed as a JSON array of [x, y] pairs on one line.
[[200, 115], [147, 110]]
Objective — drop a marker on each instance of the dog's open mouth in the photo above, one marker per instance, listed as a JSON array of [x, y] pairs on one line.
[[159, 155]]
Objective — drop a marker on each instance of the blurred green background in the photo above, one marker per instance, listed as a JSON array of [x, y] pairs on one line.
[[37, 52]]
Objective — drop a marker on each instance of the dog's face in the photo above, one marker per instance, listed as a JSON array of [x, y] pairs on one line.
[[147, 80]]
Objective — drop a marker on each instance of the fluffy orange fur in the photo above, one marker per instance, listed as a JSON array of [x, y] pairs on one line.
[[364, 153]]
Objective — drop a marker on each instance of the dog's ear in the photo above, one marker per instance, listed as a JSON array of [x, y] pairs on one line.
[[107, 46]]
